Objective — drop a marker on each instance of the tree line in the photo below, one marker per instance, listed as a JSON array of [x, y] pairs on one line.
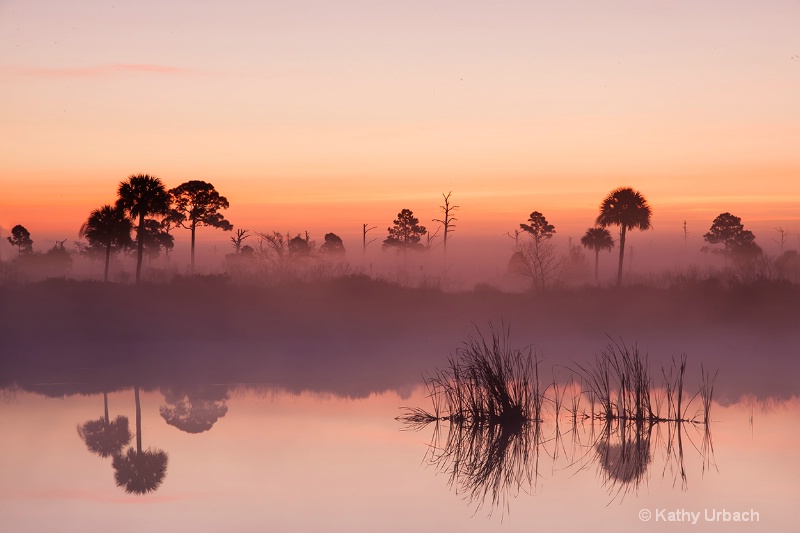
[[627, 209], [145, 207]]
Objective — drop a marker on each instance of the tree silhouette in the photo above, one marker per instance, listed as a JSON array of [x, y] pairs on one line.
[[197, 203], [538, 261], [105, 437], [241, 235], [628, 209], [333, 245], [139, 471], [21, 238], [729, 231], [141, 196], [273, 246], [193, 410], [539, 228], [406, 233], [597, 239], [108, 228], [300, 246], [365, 228], [447, 221], [156, 237]]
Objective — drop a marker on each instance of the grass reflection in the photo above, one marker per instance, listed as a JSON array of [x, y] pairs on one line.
[[493, 420]]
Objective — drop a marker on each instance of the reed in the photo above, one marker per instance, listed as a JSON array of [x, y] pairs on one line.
[[487, 381]]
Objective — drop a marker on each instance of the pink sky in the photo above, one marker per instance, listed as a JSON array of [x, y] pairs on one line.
[[313, 116]]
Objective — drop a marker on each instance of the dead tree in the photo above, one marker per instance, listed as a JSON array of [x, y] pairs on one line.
[[447, 222], [515, 236], [241, 235], [430, 237], [783, 234], [364, 230]]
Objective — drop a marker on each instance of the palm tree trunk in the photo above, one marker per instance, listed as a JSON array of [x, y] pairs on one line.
[[596, 263], [108, 260], [621, 254], [138, 420], [139, 248], [105, 405]]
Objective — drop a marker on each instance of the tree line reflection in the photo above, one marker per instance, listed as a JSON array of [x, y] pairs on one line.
[[142, 470]]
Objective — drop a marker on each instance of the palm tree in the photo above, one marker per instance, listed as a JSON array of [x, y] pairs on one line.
[[103, 436], [140, 471], [628, 209], [597, 239], [107, 227], [141, 196]]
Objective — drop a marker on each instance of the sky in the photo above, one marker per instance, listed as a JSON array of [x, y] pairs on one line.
[[323, 116]]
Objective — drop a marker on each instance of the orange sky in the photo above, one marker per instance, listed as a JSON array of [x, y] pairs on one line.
[[313, 118]]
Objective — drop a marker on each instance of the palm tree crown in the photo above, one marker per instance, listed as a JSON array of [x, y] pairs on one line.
[[109, 228], [626, 208], [140, 196], [597, 239]]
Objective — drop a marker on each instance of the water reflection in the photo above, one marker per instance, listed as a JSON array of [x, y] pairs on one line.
[[140, 471], [487, 459], [624, 455], [105, 437], [492, 400], [193, 409], [137, 470], [361, 466], [494, 462]]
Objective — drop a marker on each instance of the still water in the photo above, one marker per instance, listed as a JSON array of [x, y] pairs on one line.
[[250, 458]]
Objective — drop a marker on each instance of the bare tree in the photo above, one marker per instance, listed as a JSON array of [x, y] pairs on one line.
[[274, 246], [515, 237], [538, 261], [241, 235], [447, 222], [430, 237], [783, 234], [364, 230]]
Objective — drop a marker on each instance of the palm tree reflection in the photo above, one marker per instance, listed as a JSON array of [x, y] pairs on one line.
[[105, 437], [140, 471], [495, 461], [623, 454]]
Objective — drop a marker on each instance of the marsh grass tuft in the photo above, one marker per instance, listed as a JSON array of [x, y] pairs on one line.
[[490, 397], [486, 382]]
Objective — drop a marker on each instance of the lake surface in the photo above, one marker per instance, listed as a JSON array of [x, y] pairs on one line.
[[264, 459]]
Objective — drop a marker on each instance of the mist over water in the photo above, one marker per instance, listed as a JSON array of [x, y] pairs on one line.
[[355, 335], [298, 371]]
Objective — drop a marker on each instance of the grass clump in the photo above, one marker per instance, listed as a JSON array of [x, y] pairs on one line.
[[486, 382]]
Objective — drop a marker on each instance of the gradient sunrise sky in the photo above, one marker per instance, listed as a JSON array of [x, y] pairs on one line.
[[321, 116]]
